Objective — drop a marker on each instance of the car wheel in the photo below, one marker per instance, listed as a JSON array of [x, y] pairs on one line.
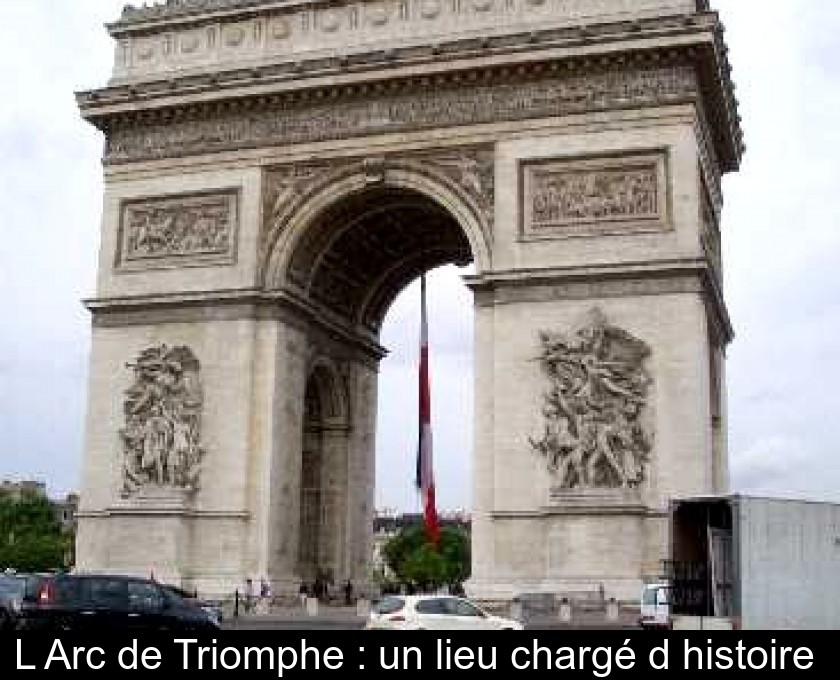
[[5, 620]]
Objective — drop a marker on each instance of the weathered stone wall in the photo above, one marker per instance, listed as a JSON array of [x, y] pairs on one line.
[[582, 174]]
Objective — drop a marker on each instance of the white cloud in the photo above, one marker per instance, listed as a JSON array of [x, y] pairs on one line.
[[780, 465]]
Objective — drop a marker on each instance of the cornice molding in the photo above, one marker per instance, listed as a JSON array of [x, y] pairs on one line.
[[224, 305], [172, 13], [694, 39], [685, 275], [151, 127]]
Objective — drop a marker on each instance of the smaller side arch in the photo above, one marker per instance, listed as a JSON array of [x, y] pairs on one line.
[[326, 387]]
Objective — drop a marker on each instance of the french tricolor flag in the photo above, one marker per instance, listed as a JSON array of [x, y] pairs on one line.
[[425, 467]]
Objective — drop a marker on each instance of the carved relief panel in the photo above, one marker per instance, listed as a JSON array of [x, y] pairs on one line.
[[162, 435], [595, 409], [594, 196], [178, 231]]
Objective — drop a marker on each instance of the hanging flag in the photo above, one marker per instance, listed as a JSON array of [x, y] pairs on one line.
[[425, 467]]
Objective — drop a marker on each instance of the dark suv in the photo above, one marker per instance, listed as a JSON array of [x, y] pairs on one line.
[[84, 602]]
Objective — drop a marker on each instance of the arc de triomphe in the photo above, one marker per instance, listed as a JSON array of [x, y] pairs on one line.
[[276, 171]]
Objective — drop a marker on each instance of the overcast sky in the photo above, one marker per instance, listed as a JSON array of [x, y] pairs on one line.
[[781, 245]]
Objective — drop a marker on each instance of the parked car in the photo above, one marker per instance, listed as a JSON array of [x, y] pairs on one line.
[[434, 612], [213, 608], [85, 602], [655, 608], [12, 591]]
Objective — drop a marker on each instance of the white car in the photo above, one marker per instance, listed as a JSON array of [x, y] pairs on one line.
[[434, 612], [655, 610]]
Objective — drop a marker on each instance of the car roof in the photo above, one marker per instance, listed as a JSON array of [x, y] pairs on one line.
[[413, 599], [116, 577]]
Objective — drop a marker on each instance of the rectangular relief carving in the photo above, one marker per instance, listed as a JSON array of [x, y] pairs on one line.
[[179, 231], [594, 196]]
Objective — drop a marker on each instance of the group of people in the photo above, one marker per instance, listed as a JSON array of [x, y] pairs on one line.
[[251, 597], [321, 590]]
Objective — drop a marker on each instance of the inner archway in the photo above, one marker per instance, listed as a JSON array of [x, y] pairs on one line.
[[347, 265], [357, 255], [323, 460]]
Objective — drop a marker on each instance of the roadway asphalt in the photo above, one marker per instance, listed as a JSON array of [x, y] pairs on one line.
[[340, 618]]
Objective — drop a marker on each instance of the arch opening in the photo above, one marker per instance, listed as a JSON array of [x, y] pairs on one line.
[[323, 455], [359, 252], [350, 260], [451, 374]]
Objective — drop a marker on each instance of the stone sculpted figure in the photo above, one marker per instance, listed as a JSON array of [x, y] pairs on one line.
[[161, 438], [594, 434]]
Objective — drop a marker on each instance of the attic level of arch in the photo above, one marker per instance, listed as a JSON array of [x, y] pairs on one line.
[[190, 11], [618, 66]]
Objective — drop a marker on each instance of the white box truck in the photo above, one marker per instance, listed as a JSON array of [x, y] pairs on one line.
[[747, 562]]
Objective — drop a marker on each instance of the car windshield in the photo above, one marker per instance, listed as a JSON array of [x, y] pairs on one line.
[[650, 595], [178, 594], [388, 605], [463, 608]]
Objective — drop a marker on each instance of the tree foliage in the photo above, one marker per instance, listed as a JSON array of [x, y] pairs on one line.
[[31, 538], [418, 564]]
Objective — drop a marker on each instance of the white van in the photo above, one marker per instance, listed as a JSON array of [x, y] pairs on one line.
[[655, 610]]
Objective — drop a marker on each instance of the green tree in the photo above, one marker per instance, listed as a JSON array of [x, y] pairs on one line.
[[31, 539], [416, 562]]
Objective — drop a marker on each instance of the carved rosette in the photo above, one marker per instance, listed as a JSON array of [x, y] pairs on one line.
[[595, 436], [162, 434]]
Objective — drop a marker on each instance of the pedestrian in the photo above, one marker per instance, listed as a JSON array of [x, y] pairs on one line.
[[249, 595], [348, 592]]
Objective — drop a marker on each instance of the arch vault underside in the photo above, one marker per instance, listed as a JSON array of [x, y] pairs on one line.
[[277, 173]]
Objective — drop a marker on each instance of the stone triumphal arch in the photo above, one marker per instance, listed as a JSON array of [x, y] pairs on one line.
[[277, 171]]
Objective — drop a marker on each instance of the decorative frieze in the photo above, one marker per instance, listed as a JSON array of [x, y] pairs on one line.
[[594, 196], [404, 107], [185, 230], [162, 435], [595, 433]]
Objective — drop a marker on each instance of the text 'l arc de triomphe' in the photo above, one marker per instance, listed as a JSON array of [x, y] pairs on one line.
[[277, 171]]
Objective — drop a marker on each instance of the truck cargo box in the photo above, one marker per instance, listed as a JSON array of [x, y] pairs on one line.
[[761, 563]]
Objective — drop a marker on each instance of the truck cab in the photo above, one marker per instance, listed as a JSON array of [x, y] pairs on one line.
[[655, 606]]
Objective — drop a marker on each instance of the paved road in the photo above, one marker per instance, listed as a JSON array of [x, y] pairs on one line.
[[345, 619]]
